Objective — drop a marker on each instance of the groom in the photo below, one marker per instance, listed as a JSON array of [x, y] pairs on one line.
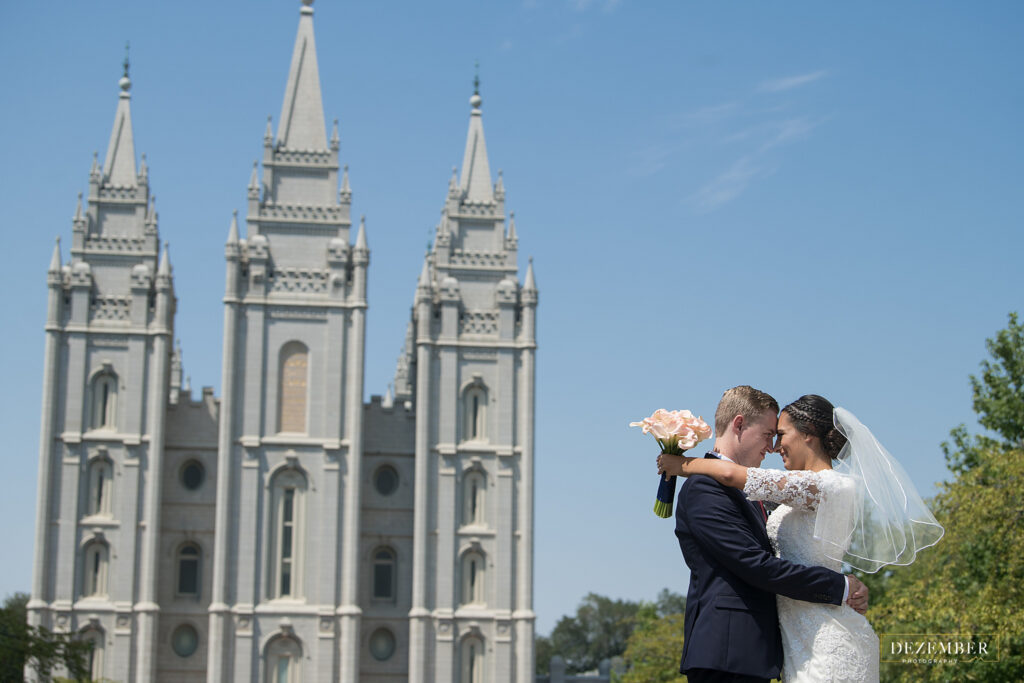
[[731, 626]]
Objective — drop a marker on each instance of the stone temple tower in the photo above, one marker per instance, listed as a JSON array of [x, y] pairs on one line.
[[284, 593], [469, 371], [110, 322]]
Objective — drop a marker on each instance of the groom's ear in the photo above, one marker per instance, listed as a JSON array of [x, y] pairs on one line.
[[737, 423]]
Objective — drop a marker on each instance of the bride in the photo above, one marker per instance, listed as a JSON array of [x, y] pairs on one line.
[[842, 500]]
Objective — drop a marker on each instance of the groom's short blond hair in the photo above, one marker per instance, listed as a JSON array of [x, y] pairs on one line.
[[745, 401]]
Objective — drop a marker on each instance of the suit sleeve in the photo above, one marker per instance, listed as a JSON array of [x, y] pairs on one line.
[[724, 533]]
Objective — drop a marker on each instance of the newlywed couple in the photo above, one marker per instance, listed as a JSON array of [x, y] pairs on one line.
[[766, 592]]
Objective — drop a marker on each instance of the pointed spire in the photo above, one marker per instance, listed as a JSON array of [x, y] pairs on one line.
[[165, 261], [345, 193], [499, 187], [94, 170], [55, 261], [453, 182], [78, 209], [389, 400], [424, 281], [302, 114], [530, 284], [233, 230], [268, 134], [512, 227], [361, 237], [119, 164], [254, 181], [335, 140], [476, 171], [187, 386]]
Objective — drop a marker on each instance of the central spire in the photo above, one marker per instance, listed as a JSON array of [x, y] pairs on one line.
[[476, 171], [119, 166], [302, 114]]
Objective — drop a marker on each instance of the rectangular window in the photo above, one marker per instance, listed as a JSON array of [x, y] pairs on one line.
[[188, 576], [287, 541], [382, 581]]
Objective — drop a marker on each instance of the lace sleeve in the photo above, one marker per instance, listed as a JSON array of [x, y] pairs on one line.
[[800, 490]]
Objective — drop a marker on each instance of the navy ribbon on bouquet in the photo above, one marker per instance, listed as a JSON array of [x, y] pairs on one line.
[[666, 494]]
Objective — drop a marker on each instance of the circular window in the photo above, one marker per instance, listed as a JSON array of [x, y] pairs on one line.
[[192, 475], [184, 640], [382, 644], [385, 479]]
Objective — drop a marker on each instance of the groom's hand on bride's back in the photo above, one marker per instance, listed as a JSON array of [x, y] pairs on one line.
[[858, 598]]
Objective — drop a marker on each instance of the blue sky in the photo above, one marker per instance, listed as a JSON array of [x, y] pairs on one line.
[[802, 197]]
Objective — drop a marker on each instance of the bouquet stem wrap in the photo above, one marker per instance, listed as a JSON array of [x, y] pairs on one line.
[[675, 431], [666, 494]]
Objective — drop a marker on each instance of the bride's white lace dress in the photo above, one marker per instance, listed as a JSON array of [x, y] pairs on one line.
[[819, 642]]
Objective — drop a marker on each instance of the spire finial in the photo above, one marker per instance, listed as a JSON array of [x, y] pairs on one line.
[[475, 101], [126, 82]]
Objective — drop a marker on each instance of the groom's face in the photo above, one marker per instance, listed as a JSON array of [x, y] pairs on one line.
[[755, 439]]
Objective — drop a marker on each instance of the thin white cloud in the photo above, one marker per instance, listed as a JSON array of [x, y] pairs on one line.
[[790, 82], [752, 166], [727, 186], [788, 131]]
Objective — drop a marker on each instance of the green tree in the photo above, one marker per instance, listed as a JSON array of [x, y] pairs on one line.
[[21, 644], [600, 630], [972, 582], [653, 650], [998, 401]]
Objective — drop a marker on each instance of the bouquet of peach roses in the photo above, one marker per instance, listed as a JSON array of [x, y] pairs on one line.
[[675, 431]]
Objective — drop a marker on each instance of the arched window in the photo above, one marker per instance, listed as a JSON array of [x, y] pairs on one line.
[[293, 388], [283, 661], [384, 574], [473, 578], [101, 480], [474, 406], [472, 660], [474, 488], [189, 570], [94, 660], [287, 497], [104, 401], [97, 559]]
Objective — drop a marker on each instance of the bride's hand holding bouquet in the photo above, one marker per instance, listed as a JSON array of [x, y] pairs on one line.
[[675, 431]]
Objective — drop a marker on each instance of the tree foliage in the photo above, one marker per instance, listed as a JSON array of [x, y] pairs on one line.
[[600, 630], [652, 654], [21, 644], [972, 582], [998, 400]]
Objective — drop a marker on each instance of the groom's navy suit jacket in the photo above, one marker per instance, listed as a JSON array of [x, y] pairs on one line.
[[731, 621]]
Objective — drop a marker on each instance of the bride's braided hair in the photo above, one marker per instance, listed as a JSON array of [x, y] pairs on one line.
[[812, 414]]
